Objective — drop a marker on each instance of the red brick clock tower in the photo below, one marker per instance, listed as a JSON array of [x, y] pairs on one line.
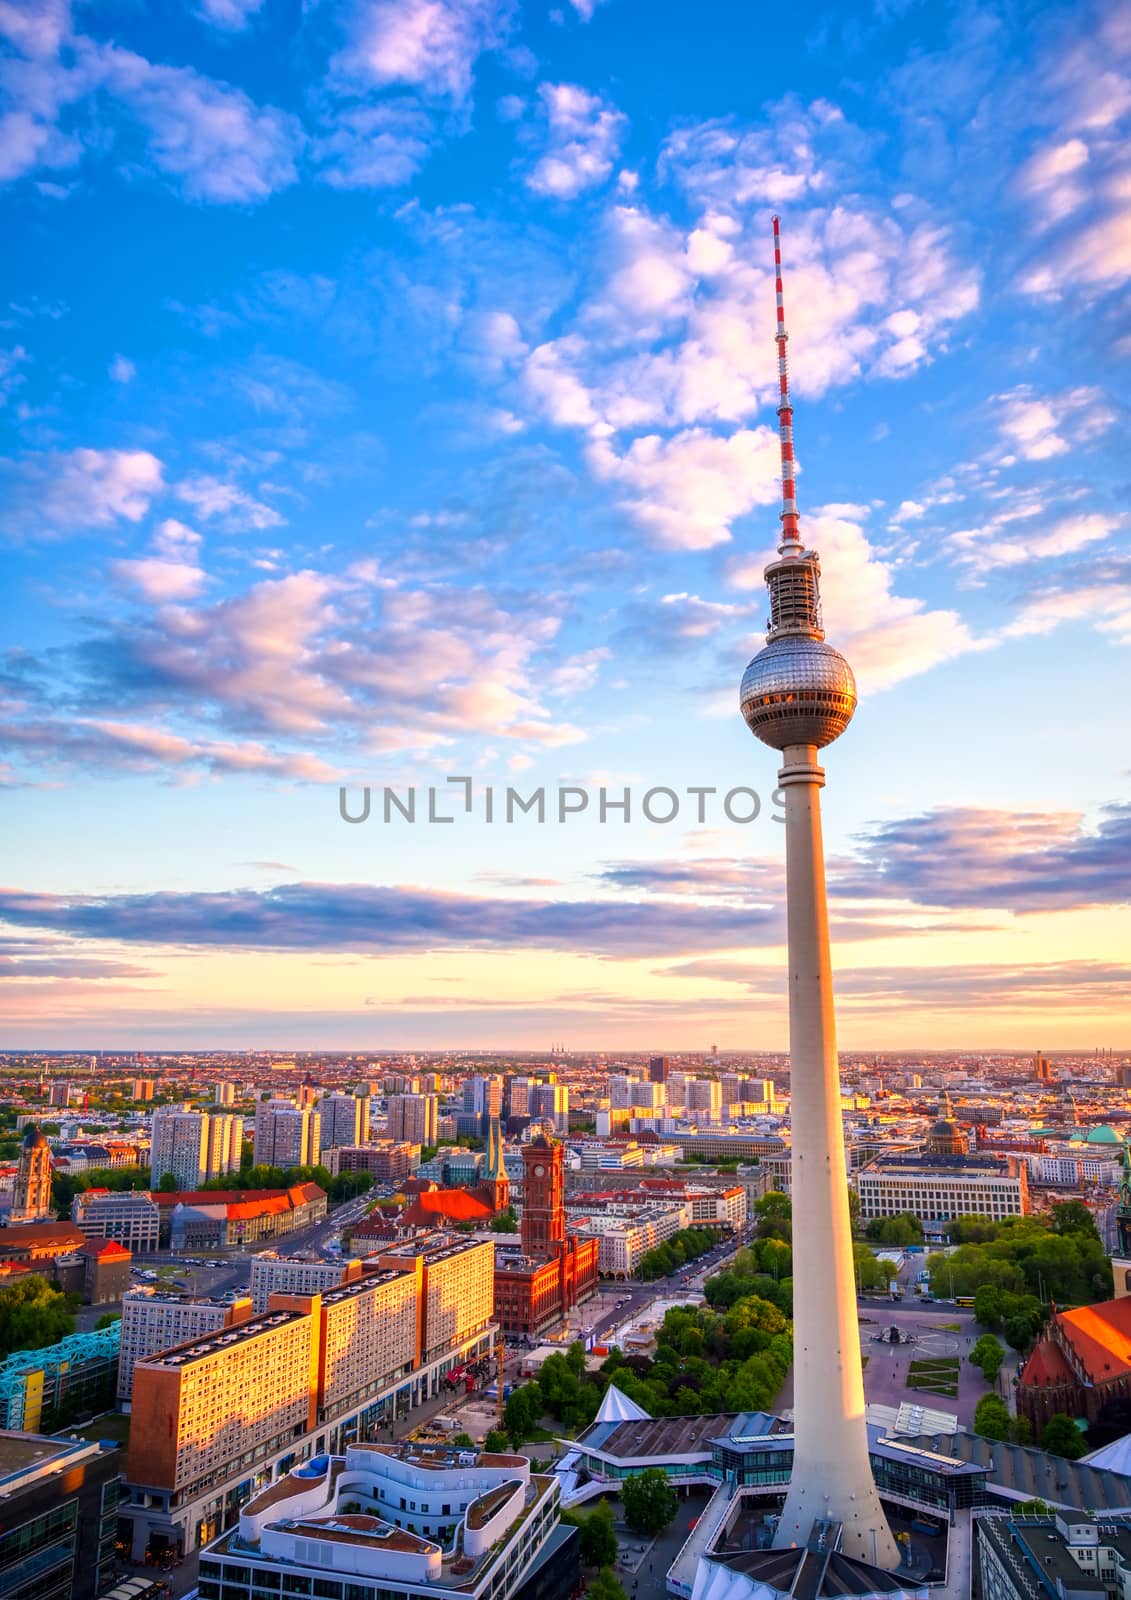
[[543, 1197]]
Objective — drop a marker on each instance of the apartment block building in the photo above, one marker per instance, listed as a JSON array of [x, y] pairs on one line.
[[287, 1135], [386, 1160], [458, 1296], [154, 1319], [345, 1120], [218, 1418], [219, 1407], [412, 1118], [275, 1274], [193, 1147]]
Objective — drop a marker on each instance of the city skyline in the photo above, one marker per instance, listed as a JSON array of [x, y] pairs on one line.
[[387, 403]]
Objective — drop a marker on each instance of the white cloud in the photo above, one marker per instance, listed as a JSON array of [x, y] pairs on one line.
[[232, 506], [374, 146], [171, 572], [984, 548], [10, 375], [1039, 427], [686, 490], [582, 140], [430, 45], [230, 15], [122, 370], [60, 493], [214, 139]]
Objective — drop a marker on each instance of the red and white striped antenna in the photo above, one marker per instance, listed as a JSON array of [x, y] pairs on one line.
[[790, 535]]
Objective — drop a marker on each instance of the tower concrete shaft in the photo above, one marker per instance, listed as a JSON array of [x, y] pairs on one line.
[[832, 1477]]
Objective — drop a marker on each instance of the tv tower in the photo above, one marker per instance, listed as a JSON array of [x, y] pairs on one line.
[[798, 695]]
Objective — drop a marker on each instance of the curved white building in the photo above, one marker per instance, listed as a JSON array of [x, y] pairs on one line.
[[404, 1519]]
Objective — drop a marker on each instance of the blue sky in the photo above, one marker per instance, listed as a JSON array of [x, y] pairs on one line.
[[388, 394]]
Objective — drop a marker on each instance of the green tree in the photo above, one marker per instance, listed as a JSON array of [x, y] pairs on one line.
[[903, 1229], [496, 1442], [991, 1417], [1034, 1508], [522, 1411], [1073, 1216], [167, 1184], [988, 1355], [606, 1586], [598, 1536], [462, 1441], [1021, 1431], [1061, 1437], [33, 1313], [505, 1222], [649, 1500]]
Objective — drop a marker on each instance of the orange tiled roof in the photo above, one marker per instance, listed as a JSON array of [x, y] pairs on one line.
[[459, 1205], [1100, 1337]]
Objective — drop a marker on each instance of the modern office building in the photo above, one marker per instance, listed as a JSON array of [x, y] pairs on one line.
[[129, 1216], [60, 1516], [380, 1521], [549, 1102], [936, 1188], [157, 1319], [412, 1118]]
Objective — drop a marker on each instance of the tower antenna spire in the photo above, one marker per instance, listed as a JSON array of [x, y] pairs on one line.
[[790, 534]]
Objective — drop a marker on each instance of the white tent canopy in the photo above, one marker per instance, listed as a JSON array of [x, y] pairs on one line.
[[617, 1407]]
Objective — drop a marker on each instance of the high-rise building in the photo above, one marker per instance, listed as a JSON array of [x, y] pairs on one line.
[[31, 1196], [549, 1102], [658, 1069], [704, 1097], [482, 1100], [517, 1097], [412, 1118], [142, 1089], [798, 695], [193, 1147], [319, 1368], [225, 1093], [158, 1319], [345, 1120], [287, 1135]]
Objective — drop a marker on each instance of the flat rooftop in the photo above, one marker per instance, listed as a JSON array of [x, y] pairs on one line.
[[23, 1454], [211, 1344]]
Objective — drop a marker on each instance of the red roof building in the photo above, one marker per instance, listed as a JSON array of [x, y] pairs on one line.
[[1082, 1363]]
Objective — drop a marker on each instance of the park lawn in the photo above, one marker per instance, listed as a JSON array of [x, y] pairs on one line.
[[935, 1377]]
